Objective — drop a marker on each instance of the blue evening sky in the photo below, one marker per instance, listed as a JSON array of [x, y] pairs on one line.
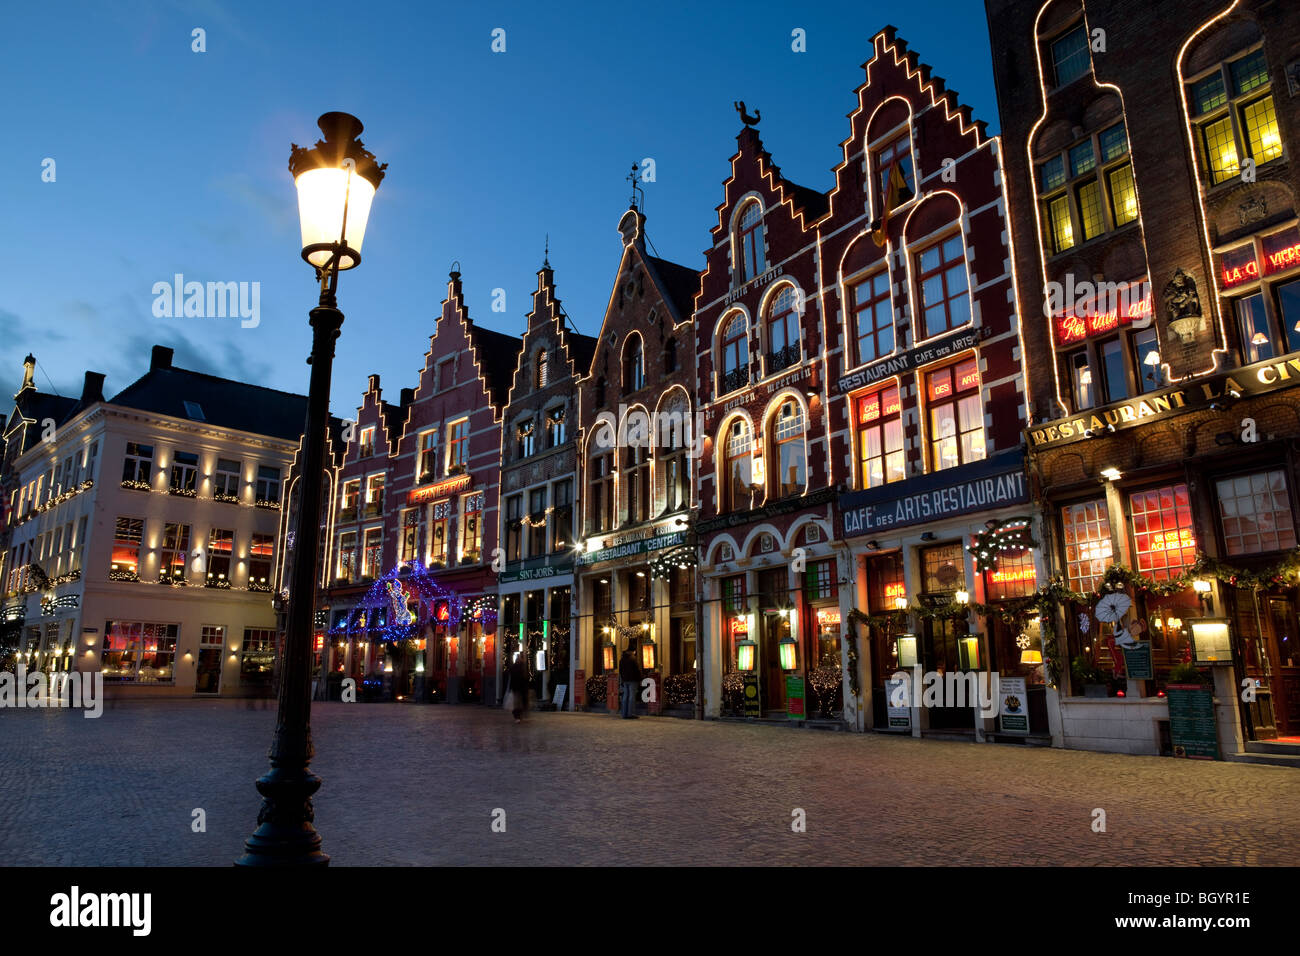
[[170, 161]]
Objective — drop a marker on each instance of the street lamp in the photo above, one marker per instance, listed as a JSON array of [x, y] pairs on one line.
[[336, 181]]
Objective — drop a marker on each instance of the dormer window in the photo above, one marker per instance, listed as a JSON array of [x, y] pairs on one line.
[[751, 260], [367, 442]]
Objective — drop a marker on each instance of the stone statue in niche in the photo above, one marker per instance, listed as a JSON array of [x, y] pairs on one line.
[[1182, 306]]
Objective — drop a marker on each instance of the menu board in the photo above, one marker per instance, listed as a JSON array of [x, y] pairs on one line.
[[1137, 661], [794, 698], [752, 706], [1014, 708], [1192, 729], [898, 718]]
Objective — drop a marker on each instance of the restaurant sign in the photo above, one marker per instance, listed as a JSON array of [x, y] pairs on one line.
[[979, 486], [641, 541], [933, 351], [535, 572], [1257, 379], [776, 509]]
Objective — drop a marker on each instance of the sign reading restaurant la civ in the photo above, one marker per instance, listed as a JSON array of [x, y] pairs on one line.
[[924, 354], [1257, 379], [992, 483]]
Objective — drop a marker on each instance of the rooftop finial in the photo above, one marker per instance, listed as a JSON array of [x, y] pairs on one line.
[[546, 256], [744, 115]]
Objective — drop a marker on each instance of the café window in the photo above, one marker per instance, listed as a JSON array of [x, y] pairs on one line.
[[1146, 359], [1013, 577], [439, 516], [126, 549], [1233, 117], [1255, 513], [790, 455], [175, 553], [410, 534], [750, 258], [1081, 382], [257, 662], [260, 552], [955, 415], [1087, 189], [1164, 540], [1088, 549], [880, 437], [943, 569], [735, 355], [944, 293], [873, 318], [139, 652], [221, 546], [1070, 56]]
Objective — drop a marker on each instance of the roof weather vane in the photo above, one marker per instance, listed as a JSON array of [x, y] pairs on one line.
[[634, 177], [546, 254], [744, 115]]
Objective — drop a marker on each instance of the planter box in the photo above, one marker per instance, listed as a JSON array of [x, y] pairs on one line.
[[1096, 690]]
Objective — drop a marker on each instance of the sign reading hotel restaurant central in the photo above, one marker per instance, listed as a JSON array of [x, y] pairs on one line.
[[1257, 379], [991, 483], [928, 352], [636, 542]]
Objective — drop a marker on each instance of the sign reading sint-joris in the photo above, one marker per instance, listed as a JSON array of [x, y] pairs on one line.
[[1257, 379]]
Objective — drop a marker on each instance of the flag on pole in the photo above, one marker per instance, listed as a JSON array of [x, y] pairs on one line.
[[896, 193]]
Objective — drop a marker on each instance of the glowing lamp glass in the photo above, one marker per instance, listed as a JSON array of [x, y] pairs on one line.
[[1201, 586], [788, 650], [607, 655], [648, 654], [745, 656], [324, 194]]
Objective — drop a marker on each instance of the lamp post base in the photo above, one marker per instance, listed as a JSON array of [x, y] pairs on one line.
[[285, 835]]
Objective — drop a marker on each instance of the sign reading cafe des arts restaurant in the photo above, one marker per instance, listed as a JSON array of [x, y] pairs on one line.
[[992, 483]]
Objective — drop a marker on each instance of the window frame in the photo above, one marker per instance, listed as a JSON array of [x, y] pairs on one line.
[[1101, 173], [941, 272], [749, 243], [1232, 108], [954, 399], [879, 424]]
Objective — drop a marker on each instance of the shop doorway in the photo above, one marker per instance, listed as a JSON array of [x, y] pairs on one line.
[[946, 646], [775, 627], [1282, 638], [207, 678]]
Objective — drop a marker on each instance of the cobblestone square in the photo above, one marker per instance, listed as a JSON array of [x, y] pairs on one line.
[[417, 785]]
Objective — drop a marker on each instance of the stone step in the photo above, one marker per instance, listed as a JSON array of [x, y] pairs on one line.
[[1272, 747], [1276, 760]]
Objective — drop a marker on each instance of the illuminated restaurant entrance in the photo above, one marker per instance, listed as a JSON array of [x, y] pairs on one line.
[[947, 645]]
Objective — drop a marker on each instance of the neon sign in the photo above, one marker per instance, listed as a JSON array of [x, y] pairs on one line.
[[1171, 540], [1085, 322], [1011, 576], [828, 617], [428, 492], [894, 591]]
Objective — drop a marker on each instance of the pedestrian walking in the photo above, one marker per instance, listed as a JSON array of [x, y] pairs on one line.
[[629, 674], [518, 684]]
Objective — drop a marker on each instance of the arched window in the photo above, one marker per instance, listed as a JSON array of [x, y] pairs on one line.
[[737, 490], [789, 457], [673, 437], [735, 355], [751, 260], [782, 331], [633, 365], [600, 481], [542, 375], [636, 479]]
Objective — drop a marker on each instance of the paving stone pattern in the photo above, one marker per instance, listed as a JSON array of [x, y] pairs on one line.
[[417, 785]]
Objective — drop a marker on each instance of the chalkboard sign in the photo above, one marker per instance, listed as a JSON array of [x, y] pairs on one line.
[[1192, 729], [1137, 661], [752, 706]]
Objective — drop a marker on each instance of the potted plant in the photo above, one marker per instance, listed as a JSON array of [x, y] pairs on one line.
[[1090, 677], [1186, 673]]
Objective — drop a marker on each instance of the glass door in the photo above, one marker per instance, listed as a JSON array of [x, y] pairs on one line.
[[207, 678], [1286, 651], [947, 653]]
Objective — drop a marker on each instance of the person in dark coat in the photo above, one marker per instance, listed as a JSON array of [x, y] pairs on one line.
[[629, 674], [519, 685]]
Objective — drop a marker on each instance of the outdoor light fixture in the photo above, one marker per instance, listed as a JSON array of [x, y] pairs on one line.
[[1111, 474], [873, 544], [927, 535], [745, 655], [962, 597], [607, 651], [788, 648], [900, 603], [648, 651], [1201, 586], [1031, 657], [336, 181]]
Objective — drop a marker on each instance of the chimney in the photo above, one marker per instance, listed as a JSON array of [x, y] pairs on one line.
[[162, 357], [29, 372], [408, 396], [373, 385], [93, 390]]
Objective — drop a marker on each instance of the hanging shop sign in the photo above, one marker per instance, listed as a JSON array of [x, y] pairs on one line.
[[641, 541], [933, 351], [1013, 712], [1192, 729], [980, 486], [537, 572], [438, 490], [1245, 382], [785, 506], [794, 698]]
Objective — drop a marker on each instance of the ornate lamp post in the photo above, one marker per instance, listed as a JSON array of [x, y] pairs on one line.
[[336, 181]]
